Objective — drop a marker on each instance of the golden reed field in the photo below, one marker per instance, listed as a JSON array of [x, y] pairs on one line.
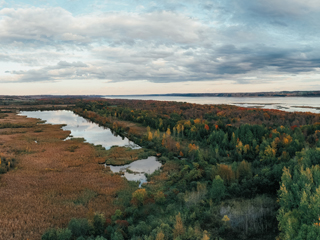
[[52, 181]]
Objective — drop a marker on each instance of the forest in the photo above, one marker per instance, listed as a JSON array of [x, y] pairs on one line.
[[228, 173]]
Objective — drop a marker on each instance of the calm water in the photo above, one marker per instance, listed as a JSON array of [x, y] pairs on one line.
[[93, 133], [139, 167], [290, 104], [81, 128]]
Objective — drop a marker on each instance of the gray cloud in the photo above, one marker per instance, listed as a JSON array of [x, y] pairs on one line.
[[52, 25], [222, 40], [63, 70]]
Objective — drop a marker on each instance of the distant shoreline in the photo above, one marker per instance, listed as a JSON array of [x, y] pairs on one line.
[[254, 94], [244, 94]]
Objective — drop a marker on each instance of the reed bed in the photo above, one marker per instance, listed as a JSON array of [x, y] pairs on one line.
[[49, 185]]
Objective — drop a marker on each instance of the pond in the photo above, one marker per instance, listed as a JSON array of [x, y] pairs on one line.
[[98, 135], [136, 170]]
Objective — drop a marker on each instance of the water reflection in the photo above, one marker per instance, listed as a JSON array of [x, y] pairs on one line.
[[135, 171], [93, 133], [81, 128]]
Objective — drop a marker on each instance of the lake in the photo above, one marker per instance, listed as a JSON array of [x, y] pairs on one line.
[[98, 135], [290, 104]]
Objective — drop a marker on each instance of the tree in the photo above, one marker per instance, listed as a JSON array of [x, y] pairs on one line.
[[64, 234], [217, 191], [160, 197], [178, 146], [79, 227], [160, 236], [179, 229], [244, 170], [299, 199], [149, 136], [168, 132], [99, 223], [139, 196], [205, 236]]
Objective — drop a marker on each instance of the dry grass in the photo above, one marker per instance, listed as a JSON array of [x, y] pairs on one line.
[[121, 155], [50, 185]]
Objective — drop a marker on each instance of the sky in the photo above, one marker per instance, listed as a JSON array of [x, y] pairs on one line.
[[152, 47]]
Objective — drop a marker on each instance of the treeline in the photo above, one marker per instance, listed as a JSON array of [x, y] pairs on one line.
[[221, 173], [254, 94], [150, 112]]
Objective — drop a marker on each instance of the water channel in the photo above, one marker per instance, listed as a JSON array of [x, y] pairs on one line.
[[98, 135]]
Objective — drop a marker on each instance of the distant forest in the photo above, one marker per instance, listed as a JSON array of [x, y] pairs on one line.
[[248, 94], [243, 94]]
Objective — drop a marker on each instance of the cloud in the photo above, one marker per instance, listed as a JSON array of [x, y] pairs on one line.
[[175, 64], [240, 41], [62, 70], [51, 25]]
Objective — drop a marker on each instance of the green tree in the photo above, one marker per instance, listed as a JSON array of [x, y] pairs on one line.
[[79, 227], [218, 189], [99, 223], [299, 199]]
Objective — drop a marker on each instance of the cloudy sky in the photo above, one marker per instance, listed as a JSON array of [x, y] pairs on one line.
[[167, 46]]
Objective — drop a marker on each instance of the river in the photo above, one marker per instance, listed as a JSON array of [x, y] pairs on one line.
[[97, 135]]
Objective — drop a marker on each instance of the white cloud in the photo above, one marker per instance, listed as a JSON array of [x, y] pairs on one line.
[[48, 25]]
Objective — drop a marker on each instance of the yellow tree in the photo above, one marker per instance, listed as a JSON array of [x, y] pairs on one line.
[[179, 129], [149, 136], [239, 147], [156, 134], [182, 129], [139, 195], [163, 143], [205, 235], [168, 132], [178, 146], [160, 236], [178, 227]]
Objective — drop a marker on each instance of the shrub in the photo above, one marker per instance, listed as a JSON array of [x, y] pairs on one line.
[[64, 234], [99, 223], [50, 234], [79, 227]]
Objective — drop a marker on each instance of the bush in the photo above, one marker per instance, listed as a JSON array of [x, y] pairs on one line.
[[117, 236], [79, 227], [3, 169], [64, 234], [57, 234], [101, 238], [143, 155], [99, 223], [163, 160], [50, 234]]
